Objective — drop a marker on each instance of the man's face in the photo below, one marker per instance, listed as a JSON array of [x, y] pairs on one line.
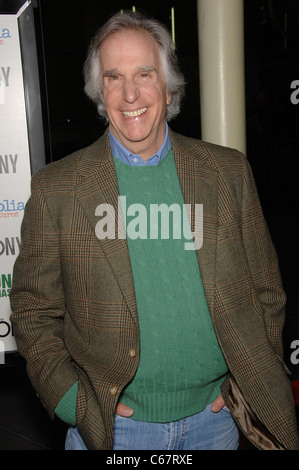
[[134, 91]]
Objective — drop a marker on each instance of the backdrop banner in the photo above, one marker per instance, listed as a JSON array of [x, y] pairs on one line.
[[15, 158]]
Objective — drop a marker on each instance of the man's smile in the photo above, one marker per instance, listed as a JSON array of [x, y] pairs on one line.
[[130, 114]]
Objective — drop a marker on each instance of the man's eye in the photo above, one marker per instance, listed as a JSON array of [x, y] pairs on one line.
[[111, 78]]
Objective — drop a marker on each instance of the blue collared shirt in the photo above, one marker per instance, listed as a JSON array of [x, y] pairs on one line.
[[123, 154]]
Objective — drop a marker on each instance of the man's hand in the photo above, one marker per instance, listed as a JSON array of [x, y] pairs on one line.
[[126, 411], [217, 404], [123, 410]]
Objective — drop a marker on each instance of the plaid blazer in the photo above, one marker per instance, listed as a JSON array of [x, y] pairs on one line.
[[73, 304]]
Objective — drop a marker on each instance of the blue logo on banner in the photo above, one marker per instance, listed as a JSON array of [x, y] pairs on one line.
[[11, 208], [4, 33]]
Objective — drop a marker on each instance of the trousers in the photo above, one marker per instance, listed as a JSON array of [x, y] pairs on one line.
[[206, 430]]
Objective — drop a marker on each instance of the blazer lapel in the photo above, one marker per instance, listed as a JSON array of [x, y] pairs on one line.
[[199, 186], [99, 186]]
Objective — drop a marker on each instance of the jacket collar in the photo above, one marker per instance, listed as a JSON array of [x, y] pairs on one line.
[[98, 185]]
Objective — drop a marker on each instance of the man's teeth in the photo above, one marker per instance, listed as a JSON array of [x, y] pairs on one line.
[[134, 113]]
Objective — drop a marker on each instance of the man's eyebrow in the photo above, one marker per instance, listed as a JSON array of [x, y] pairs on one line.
[[146, 68], [110, 73]]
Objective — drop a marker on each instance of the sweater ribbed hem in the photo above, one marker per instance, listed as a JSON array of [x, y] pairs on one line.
[[171, 405]]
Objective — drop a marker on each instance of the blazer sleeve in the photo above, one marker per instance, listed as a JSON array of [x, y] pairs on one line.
[[38, 303], [263, 262]]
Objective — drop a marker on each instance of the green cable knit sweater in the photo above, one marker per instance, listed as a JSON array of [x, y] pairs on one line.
[[181, 365]]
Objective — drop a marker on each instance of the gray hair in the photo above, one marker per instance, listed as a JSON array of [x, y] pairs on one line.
[[174, 79]]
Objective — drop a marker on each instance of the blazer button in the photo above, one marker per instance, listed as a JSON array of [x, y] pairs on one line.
[[113, 391], [132, 353]]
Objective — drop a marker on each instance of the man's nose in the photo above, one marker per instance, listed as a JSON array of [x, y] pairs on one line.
[[130, 91]]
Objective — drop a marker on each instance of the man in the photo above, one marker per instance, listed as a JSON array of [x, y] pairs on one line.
[[134, 339]]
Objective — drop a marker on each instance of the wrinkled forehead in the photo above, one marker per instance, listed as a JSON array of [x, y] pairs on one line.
[[129, 45]]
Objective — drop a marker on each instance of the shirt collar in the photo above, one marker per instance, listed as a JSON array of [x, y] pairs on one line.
[[123, 154]]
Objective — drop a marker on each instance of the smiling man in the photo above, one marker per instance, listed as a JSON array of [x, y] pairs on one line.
[[139, 343], [134, 91]]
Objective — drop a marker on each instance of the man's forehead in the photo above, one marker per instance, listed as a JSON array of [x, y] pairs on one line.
[[129, 50], [139, 39]]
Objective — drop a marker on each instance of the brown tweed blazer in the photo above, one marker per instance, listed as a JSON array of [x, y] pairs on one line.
[[73, 303]]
